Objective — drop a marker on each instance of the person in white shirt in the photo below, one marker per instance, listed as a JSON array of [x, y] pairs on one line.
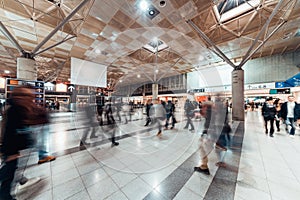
[[290, 112]]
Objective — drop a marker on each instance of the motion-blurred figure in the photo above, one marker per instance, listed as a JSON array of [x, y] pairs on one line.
[[189, 112], [207, 141], [17, 135], [148, 107], [90, 123], [158, 114], [206, 112]]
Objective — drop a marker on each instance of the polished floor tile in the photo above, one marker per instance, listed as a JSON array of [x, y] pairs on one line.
[[145, 166]]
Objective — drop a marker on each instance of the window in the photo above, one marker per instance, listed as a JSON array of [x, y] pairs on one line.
[[230, 9]]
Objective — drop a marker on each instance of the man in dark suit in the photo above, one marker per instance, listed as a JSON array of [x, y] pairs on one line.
[[290, 112]]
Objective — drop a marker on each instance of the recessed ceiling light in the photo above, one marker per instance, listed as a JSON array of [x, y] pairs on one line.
[[120, 81], [156, 71], [97, 51], [151, 12], [6, 71], [139, 76], [201, 58]]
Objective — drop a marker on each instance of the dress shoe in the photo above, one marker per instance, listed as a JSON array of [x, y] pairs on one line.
[[115, 143], [204, 171]]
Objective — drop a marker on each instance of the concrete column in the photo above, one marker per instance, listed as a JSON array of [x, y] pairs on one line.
[[238, 113], [154, 91], [26, 69]]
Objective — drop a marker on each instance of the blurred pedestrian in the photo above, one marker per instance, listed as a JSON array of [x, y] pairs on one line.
[[148, 107], [158, 114], [17, 135], [189, 113]]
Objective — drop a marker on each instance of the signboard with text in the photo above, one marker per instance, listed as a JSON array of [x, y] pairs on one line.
[[37, 86]]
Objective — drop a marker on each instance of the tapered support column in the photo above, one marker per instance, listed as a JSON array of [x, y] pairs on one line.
[[154, 91], [238, 113], [26, 69]]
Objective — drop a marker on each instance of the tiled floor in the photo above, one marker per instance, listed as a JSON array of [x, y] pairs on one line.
[[145, 166]]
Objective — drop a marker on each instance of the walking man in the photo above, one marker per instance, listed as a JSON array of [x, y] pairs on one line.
[[290, 112]]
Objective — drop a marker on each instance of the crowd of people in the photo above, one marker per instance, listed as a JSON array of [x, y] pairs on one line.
[[23, 118], [273, 110]]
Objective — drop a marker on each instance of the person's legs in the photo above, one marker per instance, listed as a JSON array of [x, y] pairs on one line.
[[277, 122], [173, 120], [113, 138], [191, 123], [167, 120], [266, 126], [206, 125], [292, 131], [7, 174], [272, 127], [159, 126], [43, 141], [203, 167]]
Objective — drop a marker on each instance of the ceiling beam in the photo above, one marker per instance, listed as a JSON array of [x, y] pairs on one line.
[[54, 45], [62, 23], [11, 38], [51, 8], [259, 46], [250, 52], [216, 50], [283, 50]]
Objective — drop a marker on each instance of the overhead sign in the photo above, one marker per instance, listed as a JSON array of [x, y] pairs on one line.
[[293, 81], [280, 91], [71, 87], [38, 87], [259, 86]]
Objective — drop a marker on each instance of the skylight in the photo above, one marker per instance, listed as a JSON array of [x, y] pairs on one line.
[[229, 9], [155, 46]]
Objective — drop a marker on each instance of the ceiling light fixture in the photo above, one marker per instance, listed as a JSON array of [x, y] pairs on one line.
[[151, 12], [97, 51], [144, 5], [139, 76], [6, 71]]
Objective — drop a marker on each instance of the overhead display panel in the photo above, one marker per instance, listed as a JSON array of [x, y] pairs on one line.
[[88, 73]]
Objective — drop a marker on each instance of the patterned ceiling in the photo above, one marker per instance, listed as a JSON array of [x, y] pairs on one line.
[[114, 33]]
